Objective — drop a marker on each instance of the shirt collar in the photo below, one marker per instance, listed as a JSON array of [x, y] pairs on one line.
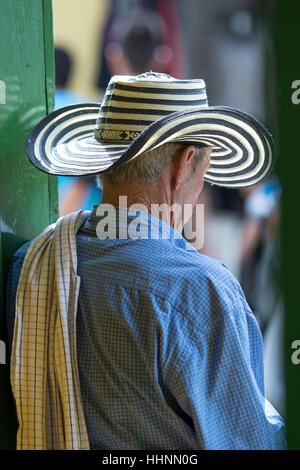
[[123, 222]]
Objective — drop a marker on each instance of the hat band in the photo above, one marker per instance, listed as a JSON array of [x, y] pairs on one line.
[[103, 135]]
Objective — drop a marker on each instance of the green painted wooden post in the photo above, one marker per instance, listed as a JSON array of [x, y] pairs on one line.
[[285, 28], [28, 198]]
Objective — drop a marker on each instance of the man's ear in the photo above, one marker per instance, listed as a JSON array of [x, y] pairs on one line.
[[182, 165]]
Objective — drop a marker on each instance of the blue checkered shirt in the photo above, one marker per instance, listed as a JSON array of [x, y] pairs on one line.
[[170, 355]]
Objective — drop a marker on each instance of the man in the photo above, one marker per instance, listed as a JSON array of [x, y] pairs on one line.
[[169, 354]]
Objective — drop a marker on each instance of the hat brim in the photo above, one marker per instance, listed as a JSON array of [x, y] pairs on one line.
[[243, 151]]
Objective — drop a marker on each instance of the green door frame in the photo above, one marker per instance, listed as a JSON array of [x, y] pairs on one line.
[[28, 198], [285, 30]]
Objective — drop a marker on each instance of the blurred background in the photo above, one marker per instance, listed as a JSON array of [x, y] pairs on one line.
[[228, 44]]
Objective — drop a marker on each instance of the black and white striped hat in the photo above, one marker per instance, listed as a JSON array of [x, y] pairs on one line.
[[139, 113]]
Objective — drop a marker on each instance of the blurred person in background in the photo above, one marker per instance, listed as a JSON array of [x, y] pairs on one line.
[[135, 45], [260, 273], [141, 35], [73, 193], [63, 70], [261, 208]]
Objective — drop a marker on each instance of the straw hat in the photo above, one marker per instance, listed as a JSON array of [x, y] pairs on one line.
[[140, 113]]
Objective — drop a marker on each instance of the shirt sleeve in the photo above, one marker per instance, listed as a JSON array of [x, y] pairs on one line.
[[220, 386]]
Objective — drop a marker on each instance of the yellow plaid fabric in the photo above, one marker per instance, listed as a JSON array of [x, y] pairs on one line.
[[44, 370]]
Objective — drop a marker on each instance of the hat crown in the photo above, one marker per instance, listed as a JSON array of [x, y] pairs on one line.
[[132, 103]]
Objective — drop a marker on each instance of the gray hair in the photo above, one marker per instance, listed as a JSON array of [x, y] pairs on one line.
[[149, 166]]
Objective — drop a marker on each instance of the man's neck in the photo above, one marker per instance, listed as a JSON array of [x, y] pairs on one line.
[[137, 196]]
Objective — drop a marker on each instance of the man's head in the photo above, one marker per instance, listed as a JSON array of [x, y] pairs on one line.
[[63, 66], [170, 174]]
